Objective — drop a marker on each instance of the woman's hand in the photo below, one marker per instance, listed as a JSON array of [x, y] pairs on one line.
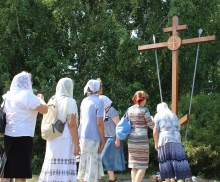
[[101, 147], [40, 96], [156, 147], [76, 152], [117, 142]]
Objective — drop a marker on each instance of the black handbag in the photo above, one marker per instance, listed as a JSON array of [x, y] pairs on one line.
[[3, 159], [59, 125], [2, 120]]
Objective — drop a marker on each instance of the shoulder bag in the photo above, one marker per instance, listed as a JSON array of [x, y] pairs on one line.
[[123, 128]]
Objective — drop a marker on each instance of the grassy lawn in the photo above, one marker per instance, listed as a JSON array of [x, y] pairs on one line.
[[125, 175], [121, 176]]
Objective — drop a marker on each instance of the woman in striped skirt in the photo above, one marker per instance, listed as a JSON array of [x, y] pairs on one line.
[[138, 145]]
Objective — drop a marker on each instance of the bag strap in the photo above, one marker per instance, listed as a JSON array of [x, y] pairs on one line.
[[56, 101], [125, 114], [108, 110]]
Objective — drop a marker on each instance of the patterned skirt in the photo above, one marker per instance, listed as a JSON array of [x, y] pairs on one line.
[[173, 162], [138, 148], [59, 162], [90, 165]]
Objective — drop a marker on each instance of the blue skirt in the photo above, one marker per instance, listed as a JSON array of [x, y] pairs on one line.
[[113, 157], [173, 162]]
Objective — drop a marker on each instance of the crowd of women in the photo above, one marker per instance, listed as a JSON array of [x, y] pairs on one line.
[[93, 137]]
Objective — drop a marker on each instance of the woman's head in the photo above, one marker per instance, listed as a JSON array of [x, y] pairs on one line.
[[139, 97], [65, 87], [107, 101], [163, 108], [21, 81], [92, 86]]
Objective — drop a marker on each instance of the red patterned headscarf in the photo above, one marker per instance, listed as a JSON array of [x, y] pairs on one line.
[[139, 96]]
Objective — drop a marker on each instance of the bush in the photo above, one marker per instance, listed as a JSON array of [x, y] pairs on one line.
[[203, 144], [36, 164]]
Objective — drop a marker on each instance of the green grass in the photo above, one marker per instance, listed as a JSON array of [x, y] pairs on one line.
[[125, 175], [34, 178], [121, 176]]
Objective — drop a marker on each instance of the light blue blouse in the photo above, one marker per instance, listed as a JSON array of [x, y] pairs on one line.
[[168, 128]]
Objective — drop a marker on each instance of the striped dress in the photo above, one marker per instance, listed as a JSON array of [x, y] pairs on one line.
[[138, 144]]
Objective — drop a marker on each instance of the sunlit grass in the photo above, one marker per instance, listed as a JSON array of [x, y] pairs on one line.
[[124, 176]]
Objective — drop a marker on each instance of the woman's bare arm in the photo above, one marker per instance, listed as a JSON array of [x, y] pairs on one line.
[[100, 125], [42, 108], [72, 125], [116, 121], [155, 134]]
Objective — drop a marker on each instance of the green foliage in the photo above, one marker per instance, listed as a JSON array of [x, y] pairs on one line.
[[202, 141], [91, 39], [36, 164]]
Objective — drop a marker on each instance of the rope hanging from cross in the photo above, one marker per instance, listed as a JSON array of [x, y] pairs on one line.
[[173, 43]]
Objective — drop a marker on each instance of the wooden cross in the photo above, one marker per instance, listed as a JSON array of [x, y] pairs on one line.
[[173, 43]]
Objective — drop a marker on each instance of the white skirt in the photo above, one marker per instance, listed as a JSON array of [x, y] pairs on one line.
[[90, 165], [59, 162]]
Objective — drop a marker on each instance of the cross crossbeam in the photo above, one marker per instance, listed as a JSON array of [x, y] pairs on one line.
[[173, 43]]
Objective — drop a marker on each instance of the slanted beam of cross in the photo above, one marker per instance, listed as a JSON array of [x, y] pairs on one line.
[[173, 43]]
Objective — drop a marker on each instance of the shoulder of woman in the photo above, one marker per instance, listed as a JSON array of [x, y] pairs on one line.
[[27, 93], [71, 100], [112, 108], [146, 109]]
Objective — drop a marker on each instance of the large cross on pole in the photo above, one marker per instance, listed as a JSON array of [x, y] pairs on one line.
[[173, 43]]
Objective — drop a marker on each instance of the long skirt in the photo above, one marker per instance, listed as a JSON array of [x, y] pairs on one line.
[[138, 148], [90, 165], [59, 162], [173, 162], [113, 157], [19, 154]]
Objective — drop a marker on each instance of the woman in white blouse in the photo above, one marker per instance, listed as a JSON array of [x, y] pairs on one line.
[[21, 107]]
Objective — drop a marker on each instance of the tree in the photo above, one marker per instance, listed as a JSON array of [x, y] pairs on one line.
[[90, 39]]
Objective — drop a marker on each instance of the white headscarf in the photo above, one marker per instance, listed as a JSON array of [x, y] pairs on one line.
[[64, 90], [21, 81], [163, 108], [107, 101], [64, 87], [93, 85]]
